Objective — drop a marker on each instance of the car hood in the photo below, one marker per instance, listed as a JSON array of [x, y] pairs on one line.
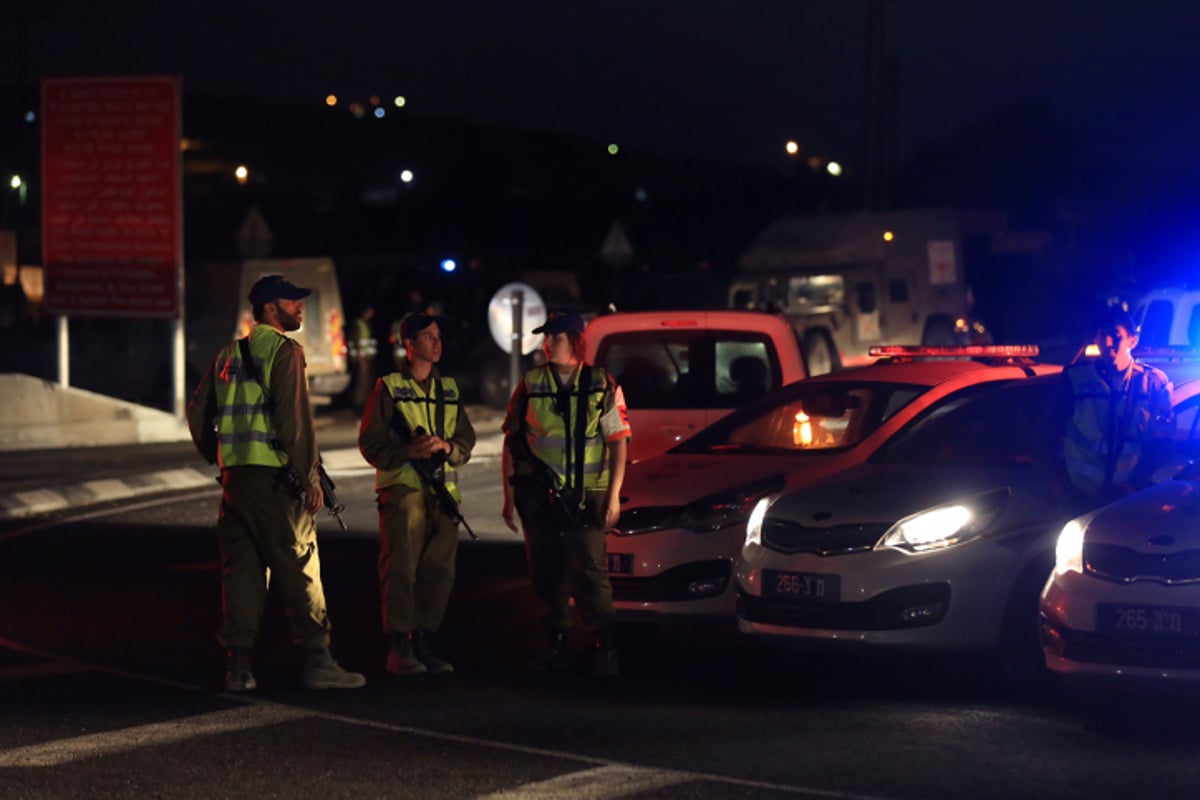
[[1162, 519], [679, 479], [886, 493]]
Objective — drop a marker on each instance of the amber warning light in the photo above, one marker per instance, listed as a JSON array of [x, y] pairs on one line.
[[964, 351]]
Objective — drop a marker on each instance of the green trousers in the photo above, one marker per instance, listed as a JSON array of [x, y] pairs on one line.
[[418, 546], [264, 533], [566, 561]]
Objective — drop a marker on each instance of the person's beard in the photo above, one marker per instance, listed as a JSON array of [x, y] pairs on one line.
[[289, 322]]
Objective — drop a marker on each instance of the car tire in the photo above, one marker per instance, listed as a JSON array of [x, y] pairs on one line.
[[1022, 672]]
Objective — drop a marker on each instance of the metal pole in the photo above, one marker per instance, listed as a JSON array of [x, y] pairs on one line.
[[64, 352], [514, 352]]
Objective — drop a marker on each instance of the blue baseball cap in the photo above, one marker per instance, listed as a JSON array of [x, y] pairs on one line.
[[561, 322]]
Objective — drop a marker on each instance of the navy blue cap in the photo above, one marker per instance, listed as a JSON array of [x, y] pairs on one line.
[[270, 288], [561, 322]]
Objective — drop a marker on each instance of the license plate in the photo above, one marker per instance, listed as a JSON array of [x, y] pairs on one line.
[[620, 563], [1161, 621], [810, 586]]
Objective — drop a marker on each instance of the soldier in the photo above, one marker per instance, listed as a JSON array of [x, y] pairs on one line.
[[566, 438], [415, 419], [250, 413]]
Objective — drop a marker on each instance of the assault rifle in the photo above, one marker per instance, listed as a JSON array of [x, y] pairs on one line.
[[290, 478], [545, 485], [432, 472]]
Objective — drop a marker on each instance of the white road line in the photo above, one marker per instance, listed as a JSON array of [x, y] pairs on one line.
[[108, 512], [601, 783], [102, 744]]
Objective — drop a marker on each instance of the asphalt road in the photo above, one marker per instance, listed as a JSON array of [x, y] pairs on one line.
[[110, 687]]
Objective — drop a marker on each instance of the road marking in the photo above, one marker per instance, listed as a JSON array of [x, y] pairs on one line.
[[108, 743], [270, 713], [108, 512], [601, 783]]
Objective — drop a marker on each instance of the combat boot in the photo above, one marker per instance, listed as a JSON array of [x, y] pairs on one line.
[[604, 661], [558, 654], [424, 654], [238, 677], [401, 660], [322, 672]]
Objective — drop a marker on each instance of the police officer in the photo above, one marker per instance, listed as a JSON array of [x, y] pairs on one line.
[[250, 413], [415, 414], [1120, 417], [566, 438]]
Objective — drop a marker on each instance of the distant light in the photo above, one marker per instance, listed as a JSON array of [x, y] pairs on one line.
[[640, 194], [379, 113], [357, 109], [374, 99], [449, 265], [15, 182], [613, 149], [406, 176], [792, 147], [399, 102], [30, 116], [242, 174], [888, 236], [331, 100], [833, 168]]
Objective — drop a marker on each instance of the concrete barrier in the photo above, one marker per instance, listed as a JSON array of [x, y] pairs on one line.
[[36, 414]]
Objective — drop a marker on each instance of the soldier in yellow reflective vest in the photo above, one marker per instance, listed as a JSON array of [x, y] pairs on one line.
[[250, 414], [566, 439], [364, 350], [1120, 420], [415, 414]]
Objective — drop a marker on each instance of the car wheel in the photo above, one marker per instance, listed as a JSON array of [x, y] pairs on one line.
[[1021, 667], [820, 357]]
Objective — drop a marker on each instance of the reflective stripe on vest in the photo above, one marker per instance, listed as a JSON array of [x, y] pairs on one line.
[[419, 410], [550, 425], [1104, 420], [244, 424]]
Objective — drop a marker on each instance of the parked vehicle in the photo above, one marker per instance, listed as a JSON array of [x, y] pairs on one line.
[[683, 523], [1168, 317], [851, 282], [1123, 602], [683, 370]]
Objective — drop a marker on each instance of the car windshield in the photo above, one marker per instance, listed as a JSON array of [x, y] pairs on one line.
[[805, 417], [991, 424]]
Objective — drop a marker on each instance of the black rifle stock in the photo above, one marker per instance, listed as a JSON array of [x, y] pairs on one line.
[[432, 473], [545, 483]]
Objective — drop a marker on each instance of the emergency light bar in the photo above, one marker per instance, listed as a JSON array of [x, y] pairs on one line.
[[955, 351]]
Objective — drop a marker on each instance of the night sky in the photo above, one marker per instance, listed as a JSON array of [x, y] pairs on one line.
[[727, 79]]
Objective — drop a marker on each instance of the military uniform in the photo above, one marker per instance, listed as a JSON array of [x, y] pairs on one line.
[[418, 540]]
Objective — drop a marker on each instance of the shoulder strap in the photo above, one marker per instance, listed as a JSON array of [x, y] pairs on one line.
[[583, 386], [248, 363]]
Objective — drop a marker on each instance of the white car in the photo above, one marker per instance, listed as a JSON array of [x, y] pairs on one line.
[[684, 513], [1123, 601], [940, 540]]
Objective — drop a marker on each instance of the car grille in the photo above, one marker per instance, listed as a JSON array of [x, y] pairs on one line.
[[1098, 648], [673, 584], [1124, 564], [880, 613], [790, 537]]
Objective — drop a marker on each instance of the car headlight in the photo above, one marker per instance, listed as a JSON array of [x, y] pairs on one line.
[[755, 522], [1068, 551], [726, 508], [945, 526]]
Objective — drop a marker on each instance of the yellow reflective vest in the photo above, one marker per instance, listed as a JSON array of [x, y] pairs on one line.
[[436, 413], [568, 442], [244, 425]]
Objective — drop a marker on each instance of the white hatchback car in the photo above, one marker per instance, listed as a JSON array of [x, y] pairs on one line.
[[942, 539], [684, 513], [1123, 601]]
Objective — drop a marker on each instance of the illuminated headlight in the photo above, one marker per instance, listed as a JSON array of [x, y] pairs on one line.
[[726, 508], [945, 526], [1068, 552], [755, 522]]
